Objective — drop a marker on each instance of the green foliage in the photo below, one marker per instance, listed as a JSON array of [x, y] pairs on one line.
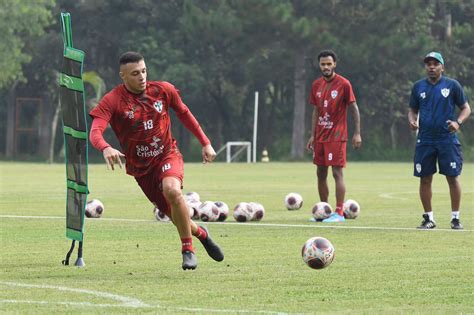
[[218, 53], [20, 22]]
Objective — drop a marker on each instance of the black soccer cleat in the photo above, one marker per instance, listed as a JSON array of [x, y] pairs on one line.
[[212, 249], [426, 224], [189, 260], [456, 224]]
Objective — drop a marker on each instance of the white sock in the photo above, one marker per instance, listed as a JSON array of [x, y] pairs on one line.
[[430, 215], [455, 214]]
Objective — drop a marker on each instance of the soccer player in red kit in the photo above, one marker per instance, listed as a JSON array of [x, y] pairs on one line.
[[138, 112], [331, 96]]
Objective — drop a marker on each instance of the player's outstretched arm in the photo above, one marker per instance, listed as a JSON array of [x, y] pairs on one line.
[[208, 154], [111, 155]]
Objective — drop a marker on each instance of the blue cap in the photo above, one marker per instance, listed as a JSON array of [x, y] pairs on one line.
[[434, 55]]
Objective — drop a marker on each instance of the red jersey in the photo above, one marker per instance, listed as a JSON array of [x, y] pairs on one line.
[[142, 123], [331, 99]]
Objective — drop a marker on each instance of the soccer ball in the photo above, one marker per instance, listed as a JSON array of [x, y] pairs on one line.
[[318, 252], [223, 210], [193, 207], [192, 197], [293, 201], [257, 211], [160, 215], [351, 209], [322, 210], [94, 208], [243, 212], [208, 211]]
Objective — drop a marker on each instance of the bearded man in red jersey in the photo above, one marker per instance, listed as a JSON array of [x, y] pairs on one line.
[[331, 96], [138, 112]]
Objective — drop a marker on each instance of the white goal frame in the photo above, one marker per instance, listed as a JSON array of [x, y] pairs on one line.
[[244, 145], [251, 157]]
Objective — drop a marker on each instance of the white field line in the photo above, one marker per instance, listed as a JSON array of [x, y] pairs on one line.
[[260, 224], [125, 301], [395, 195]]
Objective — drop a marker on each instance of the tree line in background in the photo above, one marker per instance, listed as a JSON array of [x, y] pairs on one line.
[[219, 52]]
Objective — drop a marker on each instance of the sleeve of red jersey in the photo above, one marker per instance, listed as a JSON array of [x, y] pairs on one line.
[[185, 116], [101, 115], [350, 93], [96, 135]]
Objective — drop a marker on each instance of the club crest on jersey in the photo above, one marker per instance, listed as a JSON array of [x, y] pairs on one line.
[[445, 92], [333, 94], [158, 106], [423, 95], [131, 113]]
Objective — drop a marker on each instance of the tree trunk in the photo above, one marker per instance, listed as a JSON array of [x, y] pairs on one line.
[[393, 135], [54, 126], [10, 149], [297, 144]]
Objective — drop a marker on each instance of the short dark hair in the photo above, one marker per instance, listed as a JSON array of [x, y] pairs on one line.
[[327, 53], [130, 57]]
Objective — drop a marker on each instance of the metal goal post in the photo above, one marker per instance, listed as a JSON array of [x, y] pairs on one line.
[[242, 145]]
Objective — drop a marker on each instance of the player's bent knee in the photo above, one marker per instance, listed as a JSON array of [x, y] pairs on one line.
[[173, 194]]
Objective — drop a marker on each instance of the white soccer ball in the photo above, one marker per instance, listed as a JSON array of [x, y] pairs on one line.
[[322, 210], [192, 197], [243, 212], [257, 211], [318, 252], [160, 215], [94, 208], [208, 211], [293, 201], [223, 210], [193, 208], [351, 209]]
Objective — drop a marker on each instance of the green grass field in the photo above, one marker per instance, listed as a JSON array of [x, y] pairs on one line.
[[133, 263]]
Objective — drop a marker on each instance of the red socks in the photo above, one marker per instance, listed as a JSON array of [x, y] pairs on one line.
[[339, 209], [187, 244], [201, 234]]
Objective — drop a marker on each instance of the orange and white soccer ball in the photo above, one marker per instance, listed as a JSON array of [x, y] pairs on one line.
[[318, 252]]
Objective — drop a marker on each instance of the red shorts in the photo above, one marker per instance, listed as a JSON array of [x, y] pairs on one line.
[[171, 165], [330, 153]]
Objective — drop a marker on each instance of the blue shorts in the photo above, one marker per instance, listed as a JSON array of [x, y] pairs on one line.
[[449, 157]]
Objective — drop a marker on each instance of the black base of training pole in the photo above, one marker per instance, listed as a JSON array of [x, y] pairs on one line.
[[68, 255], [79, 261]]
